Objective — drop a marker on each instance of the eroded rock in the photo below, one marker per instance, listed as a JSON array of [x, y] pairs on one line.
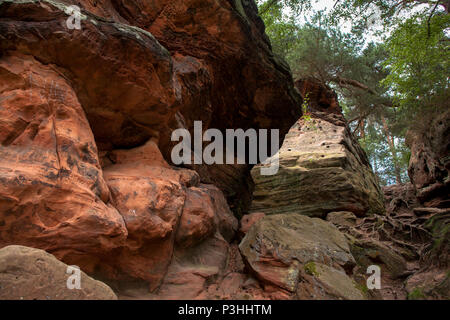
[[322, 168], [321, 282], [278, 246], [33, 274], [52, 191], [86, 112]]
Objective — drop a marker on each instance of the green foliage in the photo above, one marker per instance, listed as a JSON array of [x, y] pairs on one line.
[[306, 114], [384, 88], [310, 123], [381, 158], [310, 268], [362, 287], [416, 294], [419, 61]]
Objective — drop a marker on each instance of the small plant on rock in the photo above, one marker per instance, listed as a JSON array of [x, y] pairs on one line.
[[309, 122]]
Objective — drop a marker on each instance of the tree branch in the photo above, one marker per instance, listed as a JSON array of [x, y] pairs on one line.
[[267, 7], [353, 83], [429, 19]]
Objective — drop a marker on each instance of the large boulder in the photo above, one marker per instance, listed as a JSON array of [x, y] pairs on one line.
[[322, 282], [168, 213], [33, 274], [322, 166], [52, 191], [224, 74], [85, 123], [278, 247]]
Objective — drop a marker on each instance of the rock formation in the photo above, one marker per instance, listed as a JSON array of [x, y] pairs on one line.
[[86, 117], [429, 165], [283, 249], [324, 173], [322, 166], [33, 274], [429, 169], [426, 204], [85, 126]]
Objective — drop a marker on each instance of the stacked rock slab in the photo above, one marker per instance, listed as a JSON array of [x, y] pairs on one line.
[[323, 173], [322, 167]]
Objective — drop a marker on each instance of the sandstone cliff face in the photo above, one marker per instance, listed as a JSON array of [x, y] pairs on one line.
[[428, 170], [85, 174], [322, 166], [429, 165], [160, 66], [85, 123], [224, 74]]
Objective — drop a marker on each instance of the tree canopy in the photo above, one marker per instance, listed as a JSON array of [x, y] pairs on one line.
[[389, 62]]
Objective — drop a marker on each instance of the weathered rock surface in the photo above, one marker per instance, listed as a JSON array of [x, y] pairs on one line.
[[428, 170], [192, 270], [149, 196], [325, 173], [121, 75], [279, 246], [248, 221], [322, 166], [342, 218], [85, 123], [429, 164], [52, 191], [33, 274], [168, 213], [211, 73], [322, 282], [224, 73], [431, 284]]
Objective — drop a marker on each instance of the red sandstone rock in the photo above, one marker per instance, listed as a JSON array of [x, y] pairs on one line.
[[249, 220], [218, 78], [112, 90], [121, 75], [197, 221], [222, 81], [149, 196], [52, 191], [193, 269]]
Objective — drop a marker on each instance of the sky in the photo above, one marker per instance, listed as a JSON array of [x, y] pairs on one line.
[[327, 6]]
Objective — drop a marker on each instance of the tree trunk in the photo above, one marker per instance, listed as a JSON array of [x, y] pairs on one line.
[[391, 143], [362, 126]]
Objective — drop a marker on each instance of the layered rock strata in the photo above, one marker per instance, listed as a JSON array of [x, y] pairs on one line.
[[322, 166]]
